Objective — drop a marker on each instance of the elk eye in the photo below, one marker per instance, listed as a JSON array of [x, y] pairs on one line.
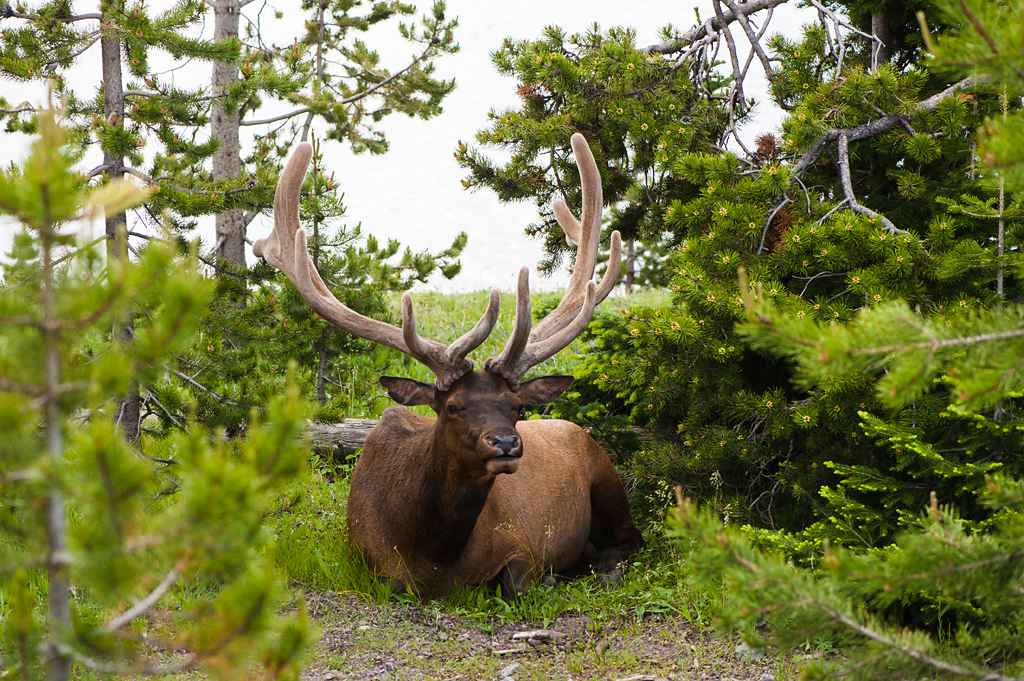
[[452, 409]]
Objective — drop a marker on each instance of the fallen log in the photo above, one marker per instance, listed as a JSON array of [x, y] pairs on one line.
[[347, 437], [342, 438]]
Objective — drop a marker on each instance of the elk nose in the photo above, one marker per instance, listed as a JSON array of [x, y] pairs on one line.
[[506, 444]]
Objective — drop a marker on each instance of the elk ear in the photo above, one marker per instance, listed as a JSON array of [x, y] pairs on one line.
[[543, 390], [408, 392]]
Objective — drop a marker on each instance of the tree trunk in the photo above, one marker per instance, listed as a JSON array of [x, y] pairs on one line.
[[321, 372], [630, 265], [227, 163], [56, 518], [880, 29], [117, 224]]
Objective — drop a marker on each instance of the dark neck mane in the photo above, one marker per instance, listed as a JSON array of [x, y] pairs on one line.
[[445, 499]]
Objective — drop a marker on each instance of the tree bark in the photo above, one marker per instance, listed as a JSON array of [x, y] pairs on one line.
[[630, 265], [117, 224], [321, 372], [56, 518], [227, 163], [880, 29]]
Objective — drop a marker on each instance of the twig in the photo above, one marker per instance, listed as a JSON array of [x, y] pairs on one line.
[[711, 27], [771, 217], [881, 125], [155, 595], [844, 176]]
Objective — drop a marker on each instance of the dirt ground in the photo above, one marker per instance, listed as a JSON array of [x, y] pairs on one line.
[[366, 641]]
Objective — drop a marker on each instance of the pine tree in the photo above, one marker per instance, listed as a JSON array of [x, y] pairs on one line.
[[88, 524], [155, 131], [944, 597], [44, 42], [870, 194], [238, 360], [332, 78]]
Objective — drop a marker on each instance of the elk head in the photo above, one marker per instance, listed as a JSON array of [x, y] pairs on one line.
[[480, 408]]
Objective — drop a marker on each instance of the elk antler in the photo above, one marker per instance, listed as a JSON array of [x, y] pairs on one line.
[[527, 348], [285, 249]]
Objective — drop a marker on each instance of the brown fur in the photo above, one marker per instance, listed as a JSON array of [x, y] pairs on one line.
[[431, 508]]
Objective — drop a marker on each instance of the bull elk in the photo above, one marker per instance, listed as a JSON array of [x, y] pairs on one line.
[[476, 495]]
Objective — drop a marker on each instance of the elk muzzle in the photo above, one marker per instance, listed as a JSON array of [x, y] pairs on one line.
[[502, 451]]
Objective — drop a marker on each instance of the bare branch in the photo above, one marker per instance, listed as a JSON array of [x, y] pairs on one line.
[[844, 177], [19, 476], [63, 20], [275, 119], [836, 23], [755, 39], [17, 387], [881, 125], [712, 26], [155, 595], [71, 57], [23, 109], [771, 217]]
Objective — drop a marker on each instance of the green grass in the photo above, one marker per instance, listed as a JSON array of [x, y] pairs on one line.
[[312, 549]]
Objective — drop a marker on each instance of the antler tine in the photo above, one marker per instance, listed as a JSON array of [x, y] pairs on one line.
[[505, 363], [451, 363], [473, 338], [528, 348], [285, 249], [586, 233]]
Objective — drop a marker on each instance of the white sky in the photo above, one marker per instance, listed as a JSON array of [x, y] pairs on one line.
[[414, 193]]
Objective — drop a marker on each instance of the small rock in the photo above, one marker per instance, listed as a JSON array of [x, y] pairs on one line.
[[443, 636], [538, 635], [767, 677], [364, 627], [510, 670], [748, 654], [329, 676]]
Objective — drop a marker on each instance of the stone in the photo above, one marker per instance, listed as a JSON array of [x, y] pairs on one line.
[[748, 654], [510, 670]]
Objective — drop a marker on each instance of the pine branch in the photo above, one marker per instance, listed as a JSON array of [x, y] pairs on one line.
[[844, 176], [275, 119], [913, 653], [153, 181], [873, 128], [146, 603], [712, 26], [941, 344]]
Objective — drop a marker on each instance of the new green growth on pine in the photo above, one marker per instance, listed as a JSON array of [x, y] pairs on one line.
[[97, 536]]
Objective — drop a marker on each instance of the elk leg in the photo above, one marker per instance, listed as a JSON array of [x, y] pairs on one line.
[[584, 566], [516, 577], [610, 509]]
